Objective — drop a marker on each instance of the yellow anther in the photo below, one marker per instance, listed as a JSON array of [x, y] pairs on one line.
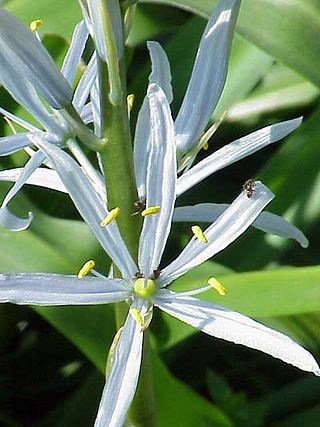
[[196, 230], [130, 101], [110, 217], [142, 289], [218, 286], [86, 268], [205, 146], [151, 210], [35, 25], [135, 313]]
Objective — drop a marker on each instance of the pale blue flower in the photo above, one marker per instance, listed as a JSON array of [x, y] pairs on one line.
[[205, 87], [160, 75], [142, 293], [20, 48], [24, 85]]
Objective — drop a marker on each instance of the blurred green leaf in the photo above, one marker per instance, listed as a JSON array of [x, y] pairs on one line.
[[248, 64], [235, 403], [278, 292], [178, 405], [281, 89], [43, 248], [80, 408], [309, 417], [261, 294], [58, 16], [286, 30], [290, 398], [89, 328]]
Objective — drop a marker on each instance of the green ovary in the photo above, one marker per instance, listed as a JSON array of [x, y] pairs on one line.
[[144, 290]]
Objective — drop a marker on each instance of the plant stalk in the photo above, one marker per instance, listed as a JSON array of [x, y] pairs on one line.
[[117, 159]]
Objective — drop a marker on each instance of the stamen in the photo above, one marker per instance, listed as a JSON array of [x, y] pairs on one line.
[[151, 210], [218, 286], [86, 269], [10, 124], [196, 230], [135, 313], [205, 146], [130, 101], [35, 25], [112, 215]]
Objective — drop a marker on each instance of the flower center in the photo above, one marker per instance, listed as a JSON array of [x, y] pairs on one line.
[[143, 288]]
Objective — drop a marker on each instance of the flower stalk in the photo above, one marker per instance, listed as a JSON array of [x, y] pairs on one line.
[[117, 160]]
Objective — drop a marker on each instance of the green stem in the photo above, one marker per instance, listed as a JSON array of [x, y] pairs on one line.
[[116, 92], [142, 413], [121, 192]]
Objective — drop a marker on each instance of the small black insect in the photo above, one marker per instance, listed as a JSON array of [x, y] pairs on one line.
[[249, 187], [140, 206], [138, 275], [156, 273]]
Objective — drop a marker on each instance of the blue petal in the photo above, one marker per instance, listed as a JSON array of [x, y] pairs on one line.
[[8, 220], [21, 47], [75, 51], [208, 75]]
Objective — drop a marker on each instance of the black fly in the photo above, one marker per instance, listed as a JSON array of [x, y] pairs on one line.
[[139, 206], [156, 273], [249, 187]]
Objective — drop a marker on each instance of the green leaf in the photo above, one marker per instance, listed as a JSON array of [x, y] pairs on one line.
[[286, 30], [308, 417], [248, 64], [57, 17], [281, 89], [178, 405], [266, 293], [261, 294], [90, 328]]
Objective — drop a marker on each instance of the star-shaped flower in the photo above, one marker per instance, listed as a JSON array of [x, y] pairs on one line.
[[28, 70], [202, 95], [143, 286]]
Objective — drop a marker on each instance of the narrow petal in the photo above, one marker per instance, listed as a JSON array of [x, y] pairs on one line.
[[161, 182], [91, 207], [122, 378], [142, 147], [12, 143], [96, 102], [21, 47], [87, 113], [12, 222], [161, 73], [229, 325], [7, 219], [58, 289], [85, 84], [75, 51], [266, 221], [208, 75], [15, 119], [230, 225], [23, 91], [41, 177], [98, 10], [235, 151]]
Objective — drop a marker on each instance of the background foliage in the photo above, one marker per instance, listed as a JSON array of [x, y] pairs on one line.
[[52, 359]]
